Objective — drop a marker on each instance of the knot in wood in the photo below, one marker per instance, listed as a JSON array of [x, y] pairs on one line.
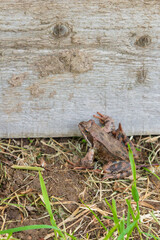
[[60, 30], [143, 41]]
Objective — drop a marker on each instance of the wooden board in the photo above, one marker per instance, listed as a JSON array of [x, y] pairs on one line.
[[62, 61]]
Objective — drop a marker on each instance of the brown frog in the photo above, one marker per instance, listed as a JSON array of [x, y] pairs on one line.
[[109, 145]]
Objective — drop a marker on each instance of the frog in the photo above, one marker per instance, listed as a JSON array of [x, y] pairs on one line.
[[109, 145]]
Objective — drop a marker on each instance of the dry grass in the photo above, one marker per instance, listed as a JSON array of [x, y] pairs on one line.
[[64, 153]]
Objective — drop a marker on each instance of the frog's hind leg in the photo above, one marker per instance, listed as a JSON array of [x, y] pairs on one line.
[[117, 166], [122, 137], [107, 121], [116, 170]]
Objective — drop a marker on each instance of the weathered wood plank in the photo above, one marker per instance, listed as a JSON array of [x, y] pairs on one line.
[[61, 61]]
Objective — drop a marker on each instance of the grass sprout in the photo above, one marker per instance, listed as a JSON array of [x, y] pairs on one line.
[[152, 173], [57, 231]]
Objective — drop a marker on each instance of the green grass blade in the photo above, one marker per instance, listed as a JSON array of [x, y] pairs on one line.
[[129, 222], [114, 211], [108, 204], [133, 216], [71, 236], [152, 173], [133, 166], [13, 205], [122, 224], [154, 217], [128, 217], [127, 230], [9, 235], [151, 235], [130, 209], [135, 193], [46, 199], [101, 223], [129, 233], [25, 228], [47, 203], [27, 168], [111, 232]]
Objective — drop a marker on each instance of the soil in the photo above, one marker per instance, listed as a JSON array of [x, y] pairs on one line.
[[67, 189], [61, 184]]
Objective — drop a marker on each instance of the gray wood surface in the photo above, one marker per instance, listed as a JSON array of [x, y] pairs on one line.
[[62, 61]]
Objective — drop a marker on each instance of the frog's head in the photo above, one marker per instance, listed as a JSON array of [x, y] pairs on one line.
[[85, 128]]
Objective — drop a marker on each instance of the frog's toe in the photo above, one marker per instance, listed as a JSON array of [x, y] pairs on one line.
[[102, 118], [107, 121]]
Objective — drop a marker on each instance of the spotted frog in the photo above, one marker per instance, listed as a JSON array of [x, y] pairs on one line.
[[109, 145]]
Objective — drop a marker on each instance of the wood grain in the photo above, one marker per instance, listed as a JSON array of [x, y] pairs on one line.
[[62, 61]]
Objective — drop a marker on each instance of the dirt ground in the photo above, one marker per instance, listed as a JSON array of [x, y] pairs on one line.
[[21, 201]]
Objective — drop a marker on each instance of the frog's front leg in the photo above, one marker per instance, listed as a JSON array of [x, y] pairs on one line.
[[87, 161], [116, 170]]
